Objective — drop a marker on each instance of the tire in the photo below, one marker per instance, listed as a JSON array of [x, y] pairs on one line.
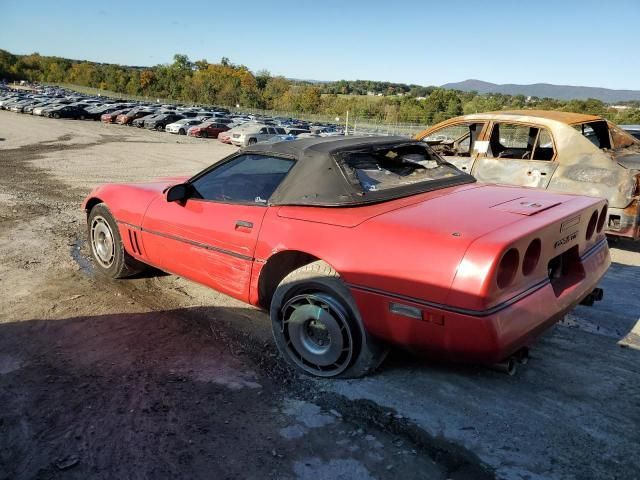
[[204, 134], [252, 141], [56, 115], [317, 327], [106, 245], [81, 117], [159, 128], [182, 132]]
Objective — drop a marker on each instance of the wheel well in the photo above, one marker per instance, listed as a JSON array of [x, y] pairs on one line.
[[277, 267], [92, 203]]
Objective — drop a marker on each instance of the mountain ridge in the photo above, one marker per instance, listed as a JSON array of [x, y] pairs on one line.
[[542, 90]]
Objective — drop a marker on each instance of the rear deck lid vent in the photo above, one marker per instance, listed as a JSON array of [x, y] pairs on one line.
[[526, 206]]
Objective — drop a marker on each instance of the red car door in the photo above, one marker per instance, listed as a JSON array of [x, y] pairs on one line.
[[211, 236], [209, 242]]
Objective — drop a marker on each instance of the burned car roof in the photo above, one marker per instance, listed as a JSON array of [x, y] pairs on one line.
[[349, 171], [569, 118]]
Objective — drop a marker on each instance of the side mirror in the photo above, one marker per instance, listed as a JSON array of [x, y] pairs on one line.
[[178, 193]]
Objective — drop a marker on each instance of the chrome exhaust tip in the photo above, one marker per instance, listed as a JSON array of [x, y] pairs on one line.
[[508, 366]]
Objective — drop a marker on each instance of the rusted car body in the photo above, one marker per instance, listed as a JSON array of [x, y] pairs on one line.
[[560, 151]]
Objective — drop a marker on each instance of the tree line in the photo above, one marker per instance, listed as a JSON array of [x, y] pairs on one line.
[[228, 84]]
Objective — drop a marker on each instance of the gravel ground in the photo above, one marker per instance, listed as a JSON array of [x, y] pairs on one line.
[[156, 377]]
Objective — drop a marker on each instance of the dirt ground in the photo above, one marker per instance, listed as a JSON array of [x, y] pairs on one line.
[[156, 377]]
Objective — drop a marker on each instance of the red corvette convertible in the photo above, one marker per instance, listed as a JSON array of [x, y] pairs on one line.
[[356, 243]]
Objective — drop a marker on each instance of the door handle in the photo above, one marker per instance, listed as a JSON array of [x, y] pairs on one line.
[[244, 224]]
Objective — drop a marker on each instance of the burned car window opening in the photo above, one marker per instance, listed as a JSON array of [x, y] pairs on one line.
[[388, 168], [596, 132], [520, 142], [455, 140]]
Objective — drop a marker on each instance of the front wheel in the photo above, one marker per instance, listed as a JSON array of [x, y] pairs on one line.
[[182, 132], [204, 134], [317, 327], [107, 247]]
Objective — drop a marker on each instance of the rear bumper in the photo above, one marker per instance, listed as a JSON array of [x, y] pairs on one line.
[[485, 337]]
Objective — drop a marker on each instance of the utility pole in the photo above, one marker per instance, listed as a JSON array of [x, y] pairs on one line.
[[346, 124]]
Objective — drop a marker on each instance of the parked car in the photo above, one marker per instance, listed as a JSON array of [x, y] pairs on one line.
[[112, 116], [225, 137], [209, 129], [633, 130], [182, 126], [43, 111], [68, 111], [280, 138], [18, 107], [354, 243], [296, 131], [29, 108], [159, 122], [97, 112], [251, 134], [127, 118], [559, 151]]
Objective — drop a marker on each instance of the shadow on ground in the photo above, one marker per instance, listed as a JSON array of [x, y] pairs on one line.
[[172, 394]]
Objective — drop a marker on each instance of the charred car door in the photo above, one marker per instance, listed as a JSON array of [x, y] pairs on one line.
[[209, 233], [516, 154], [457, 143]]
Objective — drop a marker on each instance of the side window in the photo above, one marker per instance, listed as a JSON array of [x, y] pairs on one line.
[[544, 146], [263, 130], [246, 179], [510, 140], [455, 140], [597, 132], [280, 131]]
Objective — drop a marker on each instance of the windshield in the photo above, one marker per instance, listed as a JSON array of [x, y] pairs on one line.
[[377, 169]]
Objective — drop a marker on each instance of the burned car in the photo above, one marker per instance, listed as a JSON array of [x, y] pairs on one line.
[[559, 151], [354, 243]]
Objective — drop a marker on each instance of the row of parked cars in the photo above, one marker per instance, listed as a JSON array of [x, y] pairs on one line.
[[235, 128]]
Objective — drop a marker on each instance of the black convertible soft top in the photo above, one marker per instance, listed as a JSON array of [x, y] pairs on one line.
[[324, 174]]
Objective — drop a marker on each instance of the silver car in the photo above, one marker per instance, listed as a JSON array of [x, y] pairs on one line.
[[251, 134]]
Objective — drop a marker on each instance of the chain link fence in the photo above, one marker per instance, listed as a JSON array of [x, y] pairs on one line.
[[356, 124]]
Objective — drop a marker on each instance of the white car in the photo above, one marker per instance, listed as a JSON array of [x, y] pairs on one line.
[[182, 126], [250, 134]]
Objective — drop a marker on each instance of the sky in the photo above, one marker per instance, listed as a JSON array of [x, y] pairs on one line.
[[568, 42]]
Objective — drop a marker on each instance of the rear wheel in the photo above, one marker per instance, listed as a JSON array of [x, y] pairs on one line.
[[107, 247], [317, 327]]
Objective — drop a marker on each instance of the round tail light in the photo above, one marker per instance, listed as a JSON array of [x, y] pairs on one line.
[[508, 268], [531, 257], [602, 218], [593, 221]]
